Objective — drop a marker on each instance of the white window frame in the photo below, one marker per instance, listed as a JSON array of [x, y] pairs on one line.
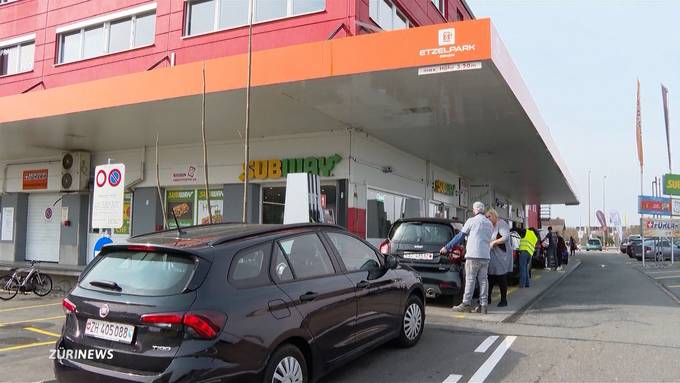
[[19, 42], [216, 18], [105, 23], [3, 2], [395, 13], [441, 6]]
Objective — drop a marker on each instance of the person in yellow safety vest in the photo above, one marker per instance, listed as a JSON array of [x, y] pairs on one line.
[[527, 245]]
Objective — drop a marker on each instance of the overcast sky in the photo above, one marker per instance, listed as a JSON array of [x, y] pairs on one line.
[[580, 60]]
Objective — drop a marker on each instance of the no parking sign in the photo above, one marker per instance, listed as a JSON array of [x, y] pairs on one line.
[[109, 193]]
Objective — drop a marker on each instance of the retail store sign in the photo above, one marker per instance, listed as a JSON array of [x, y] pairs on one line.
[[280, 168], [446, 188], [446, 39], [188, 173], [654, 205], [671, 184], [449, 68], [660, 227], [34, 179], [108, 197]]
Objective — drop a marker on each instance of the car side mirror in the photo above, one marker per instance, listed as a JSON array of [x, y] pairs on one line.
[[391, 262]]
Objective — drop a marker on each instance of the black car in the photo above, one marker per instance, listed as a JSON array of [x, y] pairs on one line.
[[417, 241], [235, 302]]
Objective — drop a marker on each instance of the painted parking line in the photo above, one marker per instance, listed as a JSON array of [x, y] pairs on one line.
[[488, 342], [668, 277], [29, 307], [27, 345], [31, 320], [452, 379], [41, 331], [673, 286], [485, 370]]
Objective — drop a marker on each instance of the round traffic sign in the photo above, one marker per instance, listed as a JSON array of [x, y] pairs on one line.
[[115, 177], [100, 180], [48, 213]]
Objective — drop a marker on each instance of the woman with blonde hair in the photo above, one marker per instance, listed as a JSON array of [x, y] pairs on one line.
[[501, 256]]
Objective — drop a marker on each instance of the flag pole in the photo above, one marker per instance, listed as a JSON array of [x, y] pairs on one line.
[[246, 146]]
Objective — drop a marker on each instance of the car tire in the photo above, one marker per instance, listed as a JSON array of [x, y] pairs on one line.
[[287, 362], [412, 322]]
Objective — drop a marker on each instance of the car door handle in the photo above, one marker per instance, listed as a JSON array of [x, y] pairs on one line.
[[308, 297], [363, 285]]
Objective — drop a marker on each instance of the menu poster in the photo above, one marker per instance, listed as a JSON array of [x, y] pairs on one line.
[[127, 213], [216, 204], [7, 233], [182, 203]]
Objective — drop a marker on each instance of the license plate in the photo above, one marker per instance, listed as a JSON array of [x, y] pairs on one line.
[[116, 332], [419, 256]]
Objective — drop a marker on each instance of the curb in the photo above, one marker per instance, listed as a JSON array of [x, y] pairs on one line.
[[517, 314], [660, 286]]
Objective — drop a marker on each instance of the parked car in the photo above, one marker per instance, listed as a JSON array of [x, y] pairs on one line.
[[635, 249], [623, 246], [594, 244], [417, 241], [235, 302], [629, 246]]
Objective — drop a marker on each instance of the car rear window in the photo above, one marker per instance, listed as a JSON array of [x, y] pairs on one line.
[[594, 242], [142, 273], [417, 232]]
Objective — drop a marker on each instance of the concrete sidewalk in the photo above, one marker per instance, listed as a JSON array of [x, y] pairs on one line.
[[519, 300]]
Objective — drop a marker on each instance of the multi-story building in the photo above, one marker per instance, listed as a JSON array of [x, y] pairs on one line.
[[403, 107]]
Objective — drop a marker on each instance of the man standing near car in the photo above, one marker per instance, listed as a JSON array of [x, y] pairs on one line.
[[527, 246], [478, 229], [552, 248]]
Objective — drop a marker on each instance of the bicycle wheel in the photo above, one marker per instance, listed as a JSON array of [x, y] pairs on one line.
[[42, 284], [9, 287]]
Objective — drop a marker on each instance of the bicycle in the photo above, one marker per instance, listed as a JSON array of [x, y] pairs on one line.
[[34, 281]]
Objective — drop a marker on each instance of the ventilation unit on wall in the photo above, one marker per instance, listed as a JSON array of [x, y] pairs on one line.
[[75, 171]]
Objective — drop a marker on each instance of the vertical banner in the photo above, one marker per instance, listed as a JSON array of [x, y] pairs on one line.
[[182, 203], [664, 97], [216, 203], [638, 126], [127, 214]]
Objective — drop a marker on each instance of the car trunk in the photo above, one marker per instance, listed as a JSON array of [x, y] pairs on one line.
[[112, 298], [418, 243]]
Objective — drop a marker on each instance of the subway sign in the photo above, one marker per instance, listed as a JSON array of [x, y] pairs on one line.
[[279, 168], [671, 184], [443, 187]]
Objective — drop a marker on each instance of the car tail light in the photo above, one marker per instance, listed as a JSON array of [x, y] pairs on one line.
[[385, 246], [648, 249], [205, 324], [445, 285], [142, 248], [69, 307]]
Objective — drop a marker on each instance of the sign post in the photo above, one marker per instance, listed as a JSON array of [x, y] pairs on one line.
[[109, 194], [671, 187]]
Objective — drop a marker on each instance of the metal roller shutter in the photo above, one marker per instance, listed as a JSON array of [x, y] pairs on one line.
[[43, 234]]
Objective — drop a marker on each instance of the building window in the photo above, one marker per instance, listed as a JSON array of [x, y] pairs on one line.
[[204, 16], [386, 15], [383, 209], [441, 6], [107, 35], [16, 55], [274, 202]]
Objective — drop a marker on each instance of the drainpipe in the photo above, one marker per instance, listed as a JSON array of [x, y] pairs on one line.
[[142, 172]]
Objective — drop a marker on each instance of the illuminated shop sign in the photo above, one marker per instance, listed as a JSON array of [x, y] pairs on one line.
[[273, 169]]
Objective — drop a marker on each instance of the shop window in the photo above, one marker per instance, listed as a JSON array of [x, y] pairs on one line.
[[383, 209], [119, 33], [386, 15], [274, 201], [191, 207], [439, 210], [17, 57], [204, 16], [441, 6]]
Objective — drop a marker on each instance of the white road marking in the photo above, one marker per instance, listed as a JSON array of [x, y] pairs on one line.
[[452, 379], [485, 370], [668, 277], [488, 342]]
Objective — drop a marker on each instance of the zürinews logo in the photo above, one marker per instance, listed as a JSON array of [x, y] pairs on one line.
[[447, 45]]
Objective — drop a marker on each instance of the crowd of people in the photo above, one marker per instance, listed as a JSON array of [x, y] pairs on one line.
[[489, 255]]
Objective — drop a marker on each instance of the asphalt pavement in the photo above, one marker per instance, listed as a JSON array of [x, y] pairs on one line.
[[605, 320]]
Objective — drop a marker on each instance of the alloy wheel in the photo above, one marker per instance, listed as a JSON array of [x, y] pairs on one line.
[[288, 371], [413, 321]]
